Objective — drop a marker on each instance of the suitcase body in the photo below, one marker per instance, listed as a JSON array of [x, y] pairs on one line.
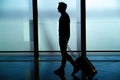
[[86, 66]]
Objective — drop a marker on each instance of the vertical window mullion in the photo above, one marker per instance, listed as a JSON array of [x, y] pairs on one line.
[[83, 27]]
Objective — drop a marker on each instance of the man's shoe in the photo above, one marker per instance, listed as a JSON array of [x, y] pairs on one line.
[[59, 72]]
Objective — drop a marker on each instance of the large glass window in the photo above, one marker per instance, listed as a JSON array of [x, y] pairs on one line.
[[14, 25], [103, 24], [48, 24]]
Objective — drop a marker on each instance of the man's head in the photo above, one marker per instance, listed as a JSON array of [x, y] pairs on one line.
[[62, 7]]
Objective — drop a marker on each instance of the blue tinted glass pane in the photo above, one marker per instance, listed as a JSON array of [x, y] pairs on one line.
[[14, 25], [48, 24], [103, 24]]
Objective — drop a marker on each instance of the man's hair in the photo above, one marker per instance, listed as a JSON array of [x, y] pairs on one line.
[[63, 5]]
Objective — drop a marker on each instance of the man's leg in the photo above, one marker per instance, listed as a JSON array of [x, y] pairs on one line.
[[63, 54], [70, 59]]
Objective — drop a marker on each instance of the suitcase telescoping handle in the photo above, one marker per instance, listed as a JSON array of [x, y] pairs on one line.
[[72, 52]]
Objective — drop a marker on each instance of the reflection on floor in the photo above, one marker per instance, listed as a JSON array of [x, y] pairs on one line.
[[23, 68]]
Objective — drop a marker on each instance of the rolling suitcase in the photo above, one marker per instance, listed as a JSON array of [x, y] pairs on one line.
[[86, 66]]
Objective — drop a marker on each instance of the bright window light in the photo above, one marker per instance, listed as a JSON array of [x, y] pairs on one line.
[[101, 4]]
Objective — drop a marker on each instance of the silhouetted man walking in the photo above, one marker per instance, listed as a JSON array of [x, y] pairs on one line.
[[64, 35]]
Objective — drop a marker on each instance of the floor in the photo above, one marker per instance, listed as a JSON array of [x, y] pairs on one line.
[[24, 68]]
